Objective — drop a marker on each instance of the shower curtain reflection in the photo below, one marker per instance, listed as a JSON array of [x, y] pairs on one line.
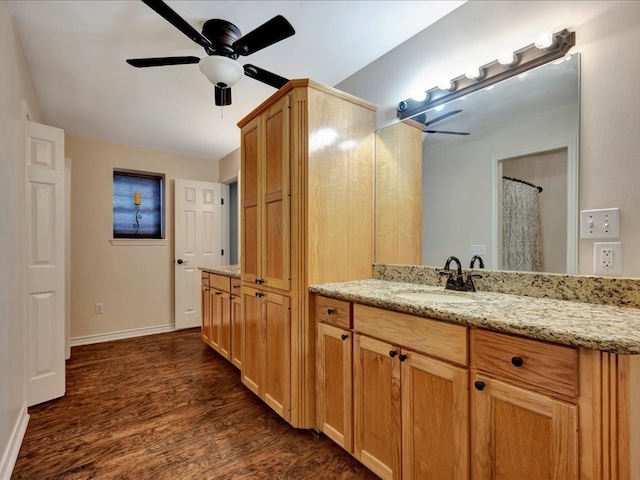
[[521, 233]]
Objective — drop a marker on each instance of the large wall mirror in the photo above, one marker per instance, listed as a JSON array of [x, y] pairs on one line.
[[526, 129]]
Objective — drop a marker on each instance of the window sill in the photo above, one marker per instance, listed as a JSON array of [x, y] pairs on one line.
[[138, 242]]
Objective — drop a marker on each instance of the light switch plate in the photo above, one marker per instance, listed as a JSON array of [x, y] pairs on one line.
[[602, 223]]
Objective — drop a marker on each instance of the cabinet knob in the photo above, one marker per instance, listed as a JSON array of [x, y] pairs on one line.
[[218, 293], [259, 281], [330, 311], [393, 353], [402, 357], [236, 286], [344, 336], [479, 385], [517, 361], [259, 295]]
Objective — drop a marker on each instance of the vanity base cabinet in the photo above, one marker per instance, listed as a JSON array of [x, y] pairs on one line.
[[236, 324], [411, 413], [205, 302], [334, 407], [522, 434]]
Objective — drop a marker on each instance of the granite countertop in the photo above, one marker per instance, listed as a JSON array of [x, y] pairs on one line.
[[232, 271], [598, 327]]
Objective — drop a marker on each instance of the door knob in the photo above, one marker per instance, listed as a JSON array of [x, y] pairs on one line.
[[180, 261]]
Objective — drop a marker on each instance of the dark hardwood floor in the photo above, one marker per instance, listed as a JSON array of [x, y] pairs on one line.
[[168, 407]]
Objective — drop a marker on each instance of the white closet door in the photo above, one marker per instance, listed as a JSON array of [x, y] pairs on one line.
[[46, 262]]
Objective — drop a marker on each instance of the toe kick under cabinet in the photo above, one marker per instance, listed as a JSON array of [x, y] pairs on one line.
[[418, 398]]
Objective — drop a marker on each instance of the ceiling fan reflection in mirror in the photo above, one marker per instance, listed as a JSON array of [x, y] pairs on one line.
[[422, 118], [223, 43]]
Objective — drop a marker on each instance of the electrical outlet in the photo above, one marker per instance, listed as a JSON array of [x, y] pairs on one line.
[[477, 249], [607, 258], [99, 308]]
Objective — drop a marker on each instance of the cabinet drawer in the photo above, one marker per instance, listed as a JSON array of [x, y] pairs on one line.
[[539, 364], [432, 337], [219, 282], [334, 312], [205, 278]]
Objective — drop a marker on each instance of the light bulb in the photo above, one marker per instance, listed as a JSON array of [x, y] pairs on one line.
[[507, 58], [419, 96], [474, 73], [446, 85], [544, 40]]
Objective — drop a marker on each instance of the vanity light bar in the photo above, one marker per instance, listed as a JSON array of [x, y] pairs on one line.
[[527, 58]]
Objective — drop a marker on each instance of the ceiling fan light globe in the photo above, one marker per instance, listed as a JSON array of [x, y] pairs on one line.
[[219, 69]]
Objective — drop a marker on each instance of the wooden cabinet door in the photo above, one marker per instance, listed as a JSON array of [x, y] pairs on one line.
[[236, 330], [435, 419], [522, 434], [205, 330], [225, 325], [276, 328], [276, 179], [335, 384], [377, 409], [252, 345], [251, 153], [215, 313]]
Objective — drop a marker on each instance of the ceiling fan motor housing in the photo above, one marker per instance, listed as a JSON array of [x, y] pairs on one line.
[[222, 35]]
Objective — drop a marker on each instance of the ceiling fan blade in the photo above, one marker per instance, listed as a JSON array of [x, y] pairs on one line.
[[442, 117], [161, 61], [448, 133], [264, 76], [177, 21], [222, 96], [270, 32]]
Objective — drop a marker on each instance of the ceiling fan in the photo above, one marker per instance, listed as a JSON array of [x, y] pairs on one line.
[[223, 43], [423, 117]]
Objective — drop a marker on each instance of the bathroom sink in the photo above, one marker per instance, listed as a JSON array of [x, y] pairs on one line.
[[435, 297]]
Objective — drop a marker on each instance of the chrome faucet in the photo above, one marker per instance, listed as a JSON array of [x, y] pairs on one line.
[[456, 280]]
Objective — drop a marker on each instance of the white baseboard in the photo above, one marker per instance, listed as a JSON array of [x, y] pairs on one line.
[[10, 455], [107, 337]]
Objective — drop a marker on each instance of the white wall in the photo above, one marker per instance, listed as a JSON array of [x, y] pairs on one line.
[[16, 87], [229, 167], [135, 283], [607, 35]]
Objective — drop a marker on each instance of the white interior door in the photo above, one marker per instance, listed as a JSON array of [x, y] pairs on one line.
[[46, 262], [199, 229]]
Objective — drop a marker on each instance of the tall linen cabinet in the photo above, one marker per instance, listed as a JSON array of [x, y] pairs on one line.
[[307, 173]]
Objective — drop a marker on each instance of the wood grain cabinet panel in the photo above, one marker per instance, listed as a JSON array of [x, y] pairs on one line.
[[236, 324], [266, 353], [205, 328], [538, 364], [522, 434], [335, 384], [377, 406], [307, 217], [435, 419]]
